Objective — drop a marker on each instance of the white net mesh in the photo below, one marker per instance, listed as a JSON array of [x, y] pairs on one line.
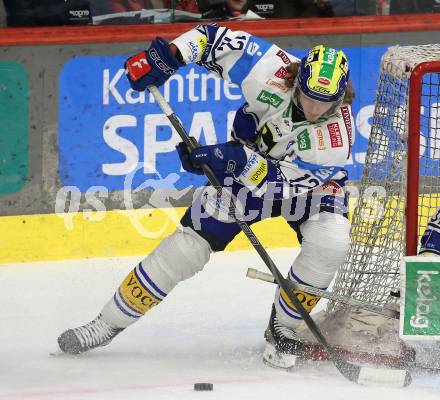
[[371, 270]]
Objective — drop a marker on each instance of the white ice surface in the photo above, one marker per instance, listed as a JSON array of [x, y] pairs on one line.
[[209, 329]]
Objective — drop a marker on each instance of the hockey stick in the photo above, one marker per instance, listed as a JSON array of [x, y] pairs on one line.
[[386, 312], [354, 373]]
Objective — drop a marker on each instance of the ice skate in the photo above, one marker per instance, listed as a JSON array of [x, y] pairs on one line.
[[283, 345], [87, 337]]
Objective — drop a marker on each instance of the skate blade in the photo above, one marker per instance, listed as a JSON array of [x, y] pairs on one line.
[[275, 359], [57, 353]]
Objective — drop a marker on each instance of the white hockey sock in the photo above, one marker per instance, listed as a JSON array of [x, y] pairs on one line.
[[324, 246], [176, 258]]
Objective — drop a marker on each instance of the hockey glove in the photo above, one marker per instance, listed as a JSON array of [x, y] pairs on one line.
[[184, 156], [151, 67], [227, 159]]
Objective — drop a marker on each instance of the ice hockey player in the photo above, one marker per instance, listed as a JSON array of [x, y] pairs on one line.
[[292, 139]]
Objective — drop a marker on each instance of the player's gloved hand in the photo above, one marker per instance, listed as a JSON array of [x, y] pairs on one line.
[[151, 67], [184, 155], [227, 159]]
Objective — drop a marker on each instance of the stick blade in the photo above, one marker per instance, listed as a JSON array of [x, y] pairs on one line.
[[384, 377]]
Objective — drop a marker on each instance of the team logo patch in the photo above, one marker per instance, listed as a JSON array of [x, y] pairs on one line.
[[307, 300], [218, 153], [324, 81], [137, 66], [202, 41], [197, 48], [330, 188], [136, 295], [278, 85], [335, 135], [304, 141], [321, 89], [159, 62], [321, 144], [347, 122], [282, 73], [269, 98], [253, 160], [283, 56], [259, 173], [194, 50], [231, 166]]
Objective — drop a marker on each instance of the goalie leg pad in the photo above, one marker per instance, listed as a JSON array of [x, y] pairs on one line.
[[325, 242], [176, 258]]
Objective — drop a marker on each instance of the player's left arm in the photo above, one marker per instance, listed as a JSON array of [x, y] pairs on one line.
[[229, 54]]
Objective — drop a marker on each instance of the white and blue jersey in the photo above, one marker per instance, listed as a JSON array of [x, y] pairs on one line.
[[295, 155]]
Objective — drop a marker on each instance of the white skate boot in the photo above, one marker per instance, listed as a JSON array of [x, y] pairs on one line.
[[84, 338], [283, 345]]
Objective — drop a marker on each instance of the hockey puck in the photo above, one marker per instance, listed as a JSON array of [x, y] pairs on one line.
[[203, 386]]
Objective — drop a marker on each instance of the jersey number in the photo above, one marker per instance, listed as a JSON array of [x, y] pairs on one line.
[[303, 182], [237, 43]]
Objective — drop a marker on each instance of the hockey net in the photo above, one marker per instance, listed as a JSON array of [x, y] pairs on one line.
[[398, 193]]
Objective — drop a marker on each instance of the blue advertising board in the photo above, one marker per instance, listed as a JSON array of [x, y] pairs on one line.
[[108, 132]]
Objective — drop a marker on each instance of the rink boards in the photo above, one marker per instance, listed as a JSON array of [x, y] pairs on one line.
[[89, 234], [115, 233]]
